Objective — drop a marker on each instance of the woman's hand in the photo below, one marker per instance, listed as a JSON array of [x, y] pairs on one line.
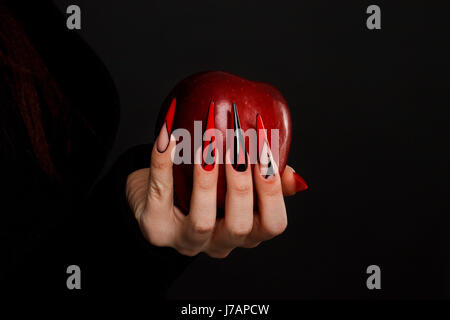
[[150, 195]]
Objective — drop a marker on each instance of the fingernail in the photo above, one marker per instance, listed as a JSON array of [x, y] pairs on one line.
[[239, 152], [266, 163], [209, 142], [166, 130], [300, 184]]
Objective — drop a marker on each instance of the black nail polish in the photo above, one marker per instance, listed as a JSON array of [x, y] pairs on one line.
[[239, 152]]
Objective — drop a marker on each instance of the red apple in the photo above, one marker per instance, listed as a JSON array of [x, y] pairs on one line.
[[193, 96]]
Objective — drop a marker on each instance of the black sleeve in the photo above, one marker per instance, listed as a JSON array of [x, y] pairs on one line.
[[119, 256]]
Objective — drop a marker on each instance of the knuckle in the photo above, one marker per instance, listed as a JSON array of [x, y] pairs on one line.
[[204, 184], [240, 229], [156, 236], [159, 163], [158, 191], [272, 189], [251, 245], [275, 227], [188, 251], [156, 231], [156, 239], [241, 188], [155, 191], [202, 227], [218, 254]]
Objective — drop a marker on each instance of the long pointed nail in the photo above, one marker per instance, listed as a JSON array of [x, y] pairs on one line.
[[166, 130], [300, 184], [209, 143], [266, 164], [239, 152]]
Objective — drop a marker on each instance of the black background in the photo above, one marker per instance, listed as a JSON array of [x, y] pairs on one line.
[[370, 115]]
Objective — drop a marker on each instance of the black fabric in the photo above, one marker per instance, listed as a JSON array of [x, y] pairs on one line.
[[46, 225]]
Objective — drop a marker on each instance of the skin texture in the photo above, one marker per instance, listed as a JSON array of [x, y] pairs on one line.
[[193, 96], [150, 193], [176, 205]]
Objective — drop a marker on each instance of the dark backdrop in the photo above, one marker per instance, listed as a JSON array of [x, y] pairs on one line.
[[370, 112]]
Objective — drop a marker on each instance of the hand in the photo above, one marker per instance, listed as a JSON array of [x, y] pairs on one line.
[[150, 195]]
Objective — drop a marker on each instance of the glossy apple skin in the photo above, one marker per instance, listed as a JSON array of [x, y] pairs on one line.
[[193, 96]]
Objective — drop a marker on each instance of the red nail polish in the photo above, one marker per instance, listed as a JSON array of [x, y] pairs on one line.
[[170, 115], [264, 155], [300, 184], [239, 152], [164, 136], [209, 143]]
